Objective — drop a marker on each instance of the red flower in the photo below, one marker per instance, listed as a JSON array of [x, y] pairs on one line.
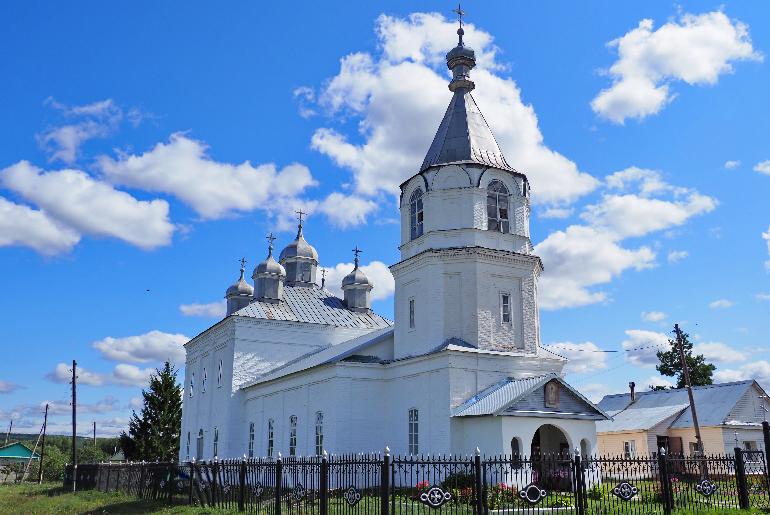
[[423, 484]]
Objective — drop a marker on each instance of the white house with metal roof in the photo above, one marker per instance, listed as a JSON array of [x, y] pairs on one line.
[[296, 370], [729, 414]]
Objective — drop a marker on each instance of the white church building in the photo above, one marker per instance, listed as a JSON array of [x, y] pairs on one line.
[[296, 370]]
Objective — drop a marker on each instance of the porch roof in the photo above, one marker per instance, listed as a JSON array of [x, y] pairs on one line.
[[638, 419]]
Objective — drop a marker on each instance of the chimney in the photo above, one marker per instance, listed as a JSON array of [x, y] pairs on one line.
[[632, 386]]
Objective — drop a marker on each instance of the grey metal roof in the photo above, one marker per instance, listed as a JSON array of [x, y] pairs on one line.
[[464, 137], [496, 398], [313, 305], [713, 402], [638, 419]]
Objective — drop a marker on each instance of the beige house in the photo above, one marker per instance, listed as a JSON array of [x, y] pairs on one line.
[[730, 415]]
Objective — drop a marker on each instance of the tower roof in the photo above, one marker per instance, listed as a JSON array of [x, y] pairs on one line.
[[240, 287]]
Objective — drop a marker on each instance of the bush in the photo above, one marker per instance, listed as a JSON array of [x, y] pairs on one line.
[[458, 480]]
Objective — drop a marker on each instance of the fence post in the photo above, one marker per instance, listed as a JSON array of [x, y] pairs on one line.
[[385, 482], [740, 480], [278, 475], [665, 485], [579, 482], [479, 485], [242, 485], [192, 483], [766, 433], [324, 486]]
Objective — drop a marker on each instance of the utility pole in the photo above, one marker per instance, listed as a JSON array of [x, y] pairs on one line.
[[94, 433], [686, 373], [8, 434], [74, 424], [42, 448]]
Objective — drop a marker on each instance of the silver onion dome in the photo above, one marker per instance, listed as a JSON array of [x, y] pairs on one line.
[[240, 287], [299, 248]]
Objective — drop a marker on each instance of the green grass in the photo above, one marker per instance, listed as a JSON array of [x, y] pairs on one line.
[[51, 498]]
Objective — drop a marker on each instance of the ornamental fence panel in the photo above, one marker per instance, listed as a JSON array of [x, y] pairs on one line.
[[452, 485]]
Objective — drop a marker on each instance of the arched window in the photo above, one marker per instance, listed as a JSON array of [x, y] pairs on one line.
[[293, 435], [497, 207], [414, 431], [270, 437], [219, 376], [192, 383], [187, 447], [415, 214], [205, 378], [199, 445], [319, 433], [515, 453]]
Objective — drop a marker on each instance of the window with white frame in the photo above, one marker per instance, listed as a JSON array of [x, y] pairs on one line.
[[629, 449], [319, 433], [293, 435], [187, 446], [219, 375], [414, 431], [270, 437], [411, 313], [415, 214], [251, 439], [205, 378], [497, 207], [693, 446], [505, 308], [192, 383], [199, 445], [216, 442]]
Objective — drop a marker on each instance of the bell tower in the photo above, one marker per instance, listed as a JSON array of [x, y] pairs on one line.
[[467, 273]]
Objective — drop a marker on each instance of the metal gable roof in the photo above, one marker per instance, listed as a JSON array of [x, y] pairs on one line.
[[313, 305], [638, 419], [714, 402]]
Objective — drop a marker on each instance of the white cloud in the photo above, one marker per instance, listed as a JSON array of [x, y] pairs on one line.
[[759, 370], [346, 210], [377, 272], [8, 387], [23, 226], [580, 257], [696, 49], [732, 165], [647, 181], [675, 256], [653, 316], [719, 352], [122, 374], [396, 97], [210, 310], [87, 206], [654, 381], [766, 237], [182, 168], [642, 346], [136, 403], [763, 167], [721, 304], [556, 212], [152, 346], [583, 357], [762, 296], [595, 391]]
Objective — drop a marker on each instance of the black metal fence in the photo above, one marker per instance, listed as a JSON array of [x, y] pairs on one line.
[[379, 484]]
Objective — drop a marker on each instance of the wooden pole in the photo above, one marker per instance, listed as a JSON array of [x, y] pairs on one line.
[[686, 373], [8, 434], [94, 433], [74, 425], [42, 447]]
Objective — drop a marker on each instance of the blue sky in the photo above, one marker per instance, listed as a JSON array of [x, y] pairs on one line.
[[147, 147]]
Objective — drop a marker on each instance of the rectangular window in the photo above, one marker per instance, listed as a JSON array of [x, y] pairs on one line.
[[629, 449], [199, 445], [192, 383], [219, 376], [205, 378], [216, 442], [293, 435], [187, 447], [270, 440], [414, 431], [319, 433], [505, 308], [749, 446], [411, 313], [251, 439], [693, 448]]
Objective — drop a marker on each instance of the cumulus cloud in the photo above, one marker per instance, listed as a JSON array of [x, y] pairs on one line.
[[556, 212], [732, 164], [583, 357], [23, 226], [763, 167], [766, 237], [210, 310], [151, 346], [653, 381], [181, 167], [377, 272], [762, 296], [642, 346], [675, 256], [721, 304], [595, 391], [653, 316], [122, 374], [719, 352], [395, 95], [8, 387], [758, 370], [695, 49], [87, 206], [345, 211]]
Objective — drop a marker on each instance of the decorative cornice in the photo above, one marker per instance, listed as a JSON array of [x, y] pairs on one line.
[[462, 253]]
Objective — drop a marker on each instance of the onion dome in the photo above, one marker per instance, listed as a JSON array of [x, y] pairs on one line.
[[239, 294], [299, 248], [357, 287], [268, 277], [300, 260]]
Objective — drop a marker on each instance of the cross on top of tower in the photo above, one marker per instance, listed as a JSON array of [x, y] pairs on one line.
[[270, 239], [460, 13], [300, 214], [356, 252], [242, 261]]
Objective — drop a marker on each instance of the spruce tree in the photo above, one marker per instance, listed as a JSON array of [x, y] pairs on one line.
[[154, 433], [671, 364]]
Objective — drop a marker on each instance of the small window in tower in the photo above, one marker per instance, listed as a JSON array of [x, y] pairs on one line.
[[205, 378], [192, 383], [411, 313], [293, 435], [415, 214], [219, 376], [497, 207], [505, 308]]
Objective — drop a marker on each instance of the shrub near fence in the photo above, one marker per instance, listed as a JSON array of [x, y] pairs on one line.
[[379, 484]]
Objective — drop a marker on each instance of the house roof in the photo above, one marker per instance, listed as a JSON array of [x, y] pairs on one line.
[[638, 419], [17, 450], [713, 402], [495, 399], [313, 305]]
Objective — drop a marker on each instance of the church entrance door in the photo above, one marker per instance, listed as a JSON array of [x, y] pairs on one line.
[[551, 458]]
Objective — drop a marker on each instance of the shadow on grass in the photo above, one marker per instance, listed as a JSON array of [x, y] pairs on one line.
[[137, 506]]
